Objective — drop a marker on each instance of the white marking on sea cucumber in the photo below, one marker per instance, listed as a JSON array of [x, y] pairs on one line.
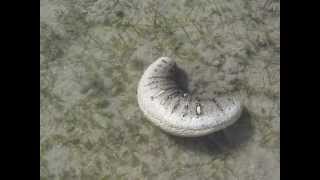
[[198, 109], [183, 118]]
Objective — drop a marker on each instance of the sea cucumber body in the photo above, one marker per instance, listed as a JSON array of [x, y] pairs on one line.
[[177, 112]]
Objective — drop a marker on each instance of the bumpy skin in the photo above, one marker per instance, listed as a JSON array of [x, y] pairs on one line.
[[177, 112]]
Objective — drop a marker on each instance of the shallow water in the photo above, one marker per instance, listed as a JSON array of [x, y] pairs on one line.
[[93, 53]]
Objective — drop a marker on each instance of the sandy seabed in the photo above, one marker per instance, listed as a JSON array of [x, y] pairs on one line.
[[92, 55]]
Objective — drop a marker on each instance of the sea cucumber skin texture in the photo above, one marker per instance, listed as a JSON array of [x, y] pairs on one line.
[[173, 117]]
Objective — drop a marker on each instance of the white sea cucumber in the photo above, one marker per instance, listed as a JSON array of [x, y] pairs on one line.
[[177, 111]]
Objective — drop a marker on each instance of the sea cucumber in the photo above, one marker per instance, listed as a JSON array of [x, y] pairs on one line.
[[177, 111]]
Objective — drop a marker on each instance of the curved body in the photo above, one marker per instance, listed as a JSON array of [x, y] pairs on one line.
[[177, 112]]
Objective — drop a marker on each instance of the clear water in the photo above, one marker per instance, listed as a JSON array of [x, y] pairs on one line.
[[93, 53]]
